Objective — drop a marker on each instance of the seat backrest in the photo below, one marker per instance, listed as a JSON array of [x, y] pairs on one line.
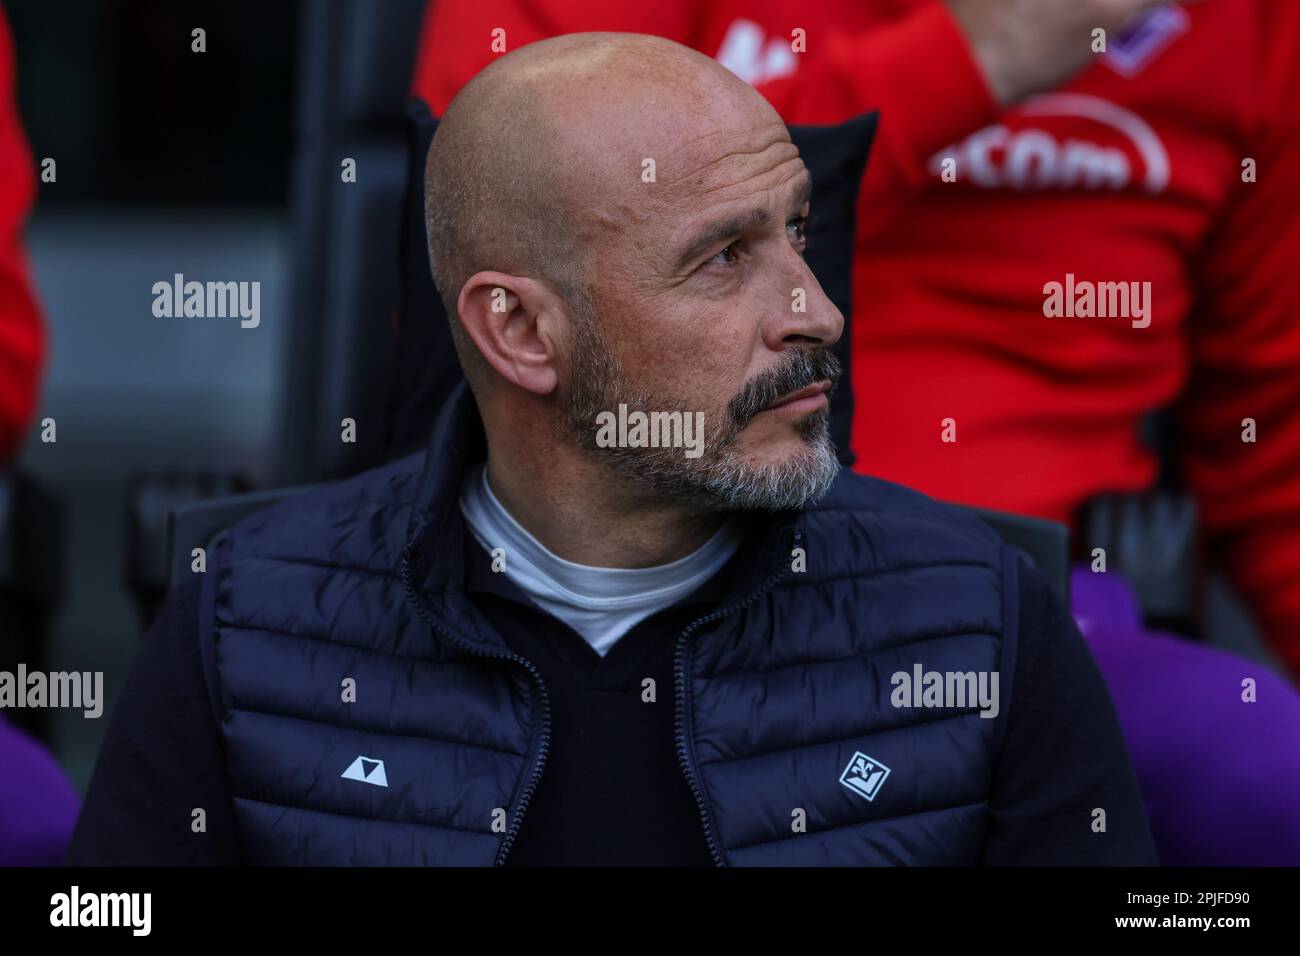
[[31, 538], [1045, 543], [356, 60], [197, 524]]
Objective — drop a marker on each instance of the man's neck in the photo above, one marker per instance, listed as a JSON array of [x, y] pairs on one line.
[[586, 515]]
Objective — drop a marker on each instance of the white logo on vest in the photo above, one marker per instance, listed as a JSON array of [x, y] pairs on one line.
[[864, 775], [367, 770]]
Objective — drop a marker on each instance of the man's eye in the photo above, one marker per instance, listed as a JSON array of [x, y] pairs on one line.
[[730, 250], [726, 257]]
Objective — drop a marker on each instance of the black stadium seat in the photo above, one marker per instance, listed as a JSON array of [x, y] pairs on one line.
[[31, 565], [354, 73], [355, 70]]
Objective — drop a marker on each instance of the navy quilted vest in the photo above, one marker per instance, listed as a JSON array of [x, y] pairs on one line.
[[781, 690]]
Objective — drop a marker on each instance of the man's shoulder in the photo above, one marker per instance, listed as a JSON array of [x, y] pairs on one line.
[[892, 525], [361, 518]]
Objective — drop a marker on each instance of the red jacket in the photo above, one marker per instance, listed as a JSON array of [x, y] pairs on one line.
[[1132, 172], [22, 334]]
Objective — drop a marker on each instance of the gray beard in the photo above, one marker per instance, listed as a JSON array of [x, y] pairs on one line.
[[718, 480]]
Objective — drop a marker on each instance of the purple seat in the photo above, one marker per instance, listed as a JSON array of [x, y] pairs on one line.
[[1220, 776], [38, 806]]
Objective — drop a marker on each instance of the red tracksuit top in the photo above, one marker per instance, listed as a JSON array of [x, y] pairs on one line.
[[22, 333], [1131, 172]]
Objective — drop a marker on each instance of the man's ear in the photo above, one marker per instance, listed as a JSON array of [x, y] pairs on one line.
[[516, 324]]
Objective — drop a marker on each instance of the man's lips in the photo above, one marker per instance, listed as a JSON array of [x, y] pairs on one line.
[[813, 397]]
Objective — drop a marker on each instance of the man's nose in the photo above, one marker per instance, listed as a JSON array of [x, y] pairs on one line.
[[808, 318]]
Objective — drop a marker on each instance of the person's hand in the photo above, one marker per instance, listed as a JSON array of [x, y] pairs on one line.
[[1025, 46]]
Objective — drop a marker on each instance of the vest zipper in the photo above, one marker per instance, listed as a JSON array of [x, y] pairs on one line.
[[683, 750], [545, 738]]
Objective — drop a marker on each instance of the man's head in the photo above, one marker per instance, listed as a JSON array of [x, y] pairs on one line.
[[615, 219]]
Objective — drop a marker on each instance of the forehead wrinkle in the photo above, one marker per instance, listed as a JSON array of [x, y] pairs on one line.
[[699, 170], [777, 128]]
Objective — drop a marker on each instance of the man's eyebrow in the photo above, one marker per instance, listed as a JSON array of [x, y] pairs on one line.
[[716, 232]]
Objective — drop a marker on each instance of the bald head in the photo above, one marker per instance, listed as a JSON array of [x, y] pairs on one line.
[[616, 222], [542, 153]]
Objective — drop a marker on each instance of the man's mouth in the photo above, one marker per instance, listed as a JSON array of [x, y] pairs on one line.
[[806, 400]]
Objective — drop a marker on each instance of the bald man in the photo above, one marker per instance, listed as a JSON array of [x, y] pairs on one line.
[[627, 609]]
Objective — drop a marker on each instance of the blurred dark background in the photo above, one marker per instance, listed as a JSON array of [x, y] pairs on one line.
[[168, 162], [138, 118]]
